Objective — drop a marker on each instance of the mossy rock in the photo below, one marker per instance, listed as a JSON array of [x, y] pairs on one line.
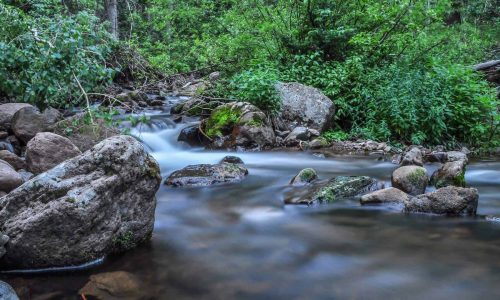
[[305, 176], [450, 174]]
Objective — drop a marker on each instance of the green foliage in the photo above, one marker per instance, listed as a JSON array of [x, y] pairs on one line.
[[43, 55], [221, 120], [335, 136]]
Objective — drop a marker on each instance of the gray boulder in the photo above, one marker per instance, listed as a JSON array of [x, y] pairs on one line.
[[9, 178], [7, 111], [410, 179], [15, 161], [46, 150], [206, 175], [451, 173], [341, 187], [456, 156], [388, 195], [448, 200], [7, 292], [98, 203], [28, 121], [297, 135], [305, 106], [412, 157], [305, 176]]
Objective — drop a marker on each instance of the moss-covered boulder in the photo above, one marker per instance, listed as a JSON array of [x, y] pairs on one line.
[[206, 175], [341, 187], [450, 174], [449, 200], [410, 179], [239, 124], [305, 176]]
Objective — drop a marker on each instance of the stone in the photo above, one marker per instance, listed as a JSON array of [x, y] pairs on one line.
[[7, 112], [46, 150], [456, 156], [297, 135], [340, 187], [214, 76], [232, 160], [305, 106], [3, 134], [114, 285], [3, 240], [25, 175], [95, 204], [192, 136], [451, 173], [28, 121], [194, 88], [7, 292], [318, 143], [9, 178], [305, 176], [206, 175], [412, 157], [410, 179], [448, 200], [388, 195], [15, 161], [82, 134]]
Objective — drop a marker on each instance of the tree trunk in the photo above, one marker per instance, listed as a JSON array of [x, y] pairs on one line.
[[112, 10]]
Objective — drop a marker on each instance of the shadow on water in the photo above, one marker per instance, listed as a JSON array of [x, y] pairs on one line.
[[241, 242]]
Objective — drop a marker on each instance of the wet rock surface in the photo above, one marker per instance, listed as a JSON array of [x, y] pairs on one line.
[[7, 292], [305, 176], [451, 173], [232, 160], [410, 179], [9, 178], [206, 175], [192, 136], [448, 200], [388, 195], [114, 285], [97, 203]]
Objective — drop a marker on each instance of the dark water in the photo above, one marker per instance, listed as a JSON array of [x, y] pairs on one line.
[[240, 242]]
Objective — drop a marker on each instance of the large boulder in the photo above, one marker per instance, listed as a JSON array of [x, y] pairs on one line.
[[7, 292], [239, 124], [388, 195], [98, 203], [28, 121], [206, 175], [7, 111], [81, 132], [341, 187], [410, 179], [46, 150], [451, 173], [305, 106], [448, 200], [15, 161], [9, 178]]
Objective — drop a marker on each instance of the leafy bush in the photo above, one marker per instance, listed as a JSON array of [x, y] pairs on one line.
[[43, 56], [335, 136]]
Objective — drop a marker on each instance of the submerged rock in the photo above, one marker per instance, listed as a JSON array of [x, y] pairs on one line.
[[388, 195], [114, 285], [7, 292], [46, 150], [410, 179], [451, 173], [341, 187], [100, 202], [448, 200], [9, 178], [305, 176], [206, 175], [305, 106]]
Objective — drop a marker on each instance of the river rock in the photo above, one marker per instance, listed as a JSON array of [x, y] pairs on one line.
[[456, 156], [28, 121], [7, 111], [239, 125], [305, 106], [341, 187], [448, 200], [114, 285], [9, 178], [318, 143], [297, 135], [97, 203], [84, 134], [232, 160], [451, 173], [412, 157], [7, 292], [388, 195], [206, 175], [305, 176], [410, 179], [46, 150], [3, 240], [15, 161], [192, 136]]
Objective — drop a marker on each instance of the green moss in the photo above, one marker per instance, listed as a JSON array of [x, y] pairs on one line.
[[307, 175], [460, 179], [344, 187], [220, 120], [416, 176], [71, 200], [125, 241]]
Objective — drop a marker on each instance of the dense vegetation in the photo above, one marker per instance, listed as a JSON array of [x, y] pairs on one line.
[[397, 70]]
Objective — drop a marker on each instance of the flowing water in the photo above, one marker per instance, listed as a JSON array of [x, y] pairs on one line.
[[240, 241]]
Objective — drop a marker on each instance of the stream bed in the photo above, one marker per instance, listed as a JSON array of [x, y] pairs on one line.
[[239, 241]]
